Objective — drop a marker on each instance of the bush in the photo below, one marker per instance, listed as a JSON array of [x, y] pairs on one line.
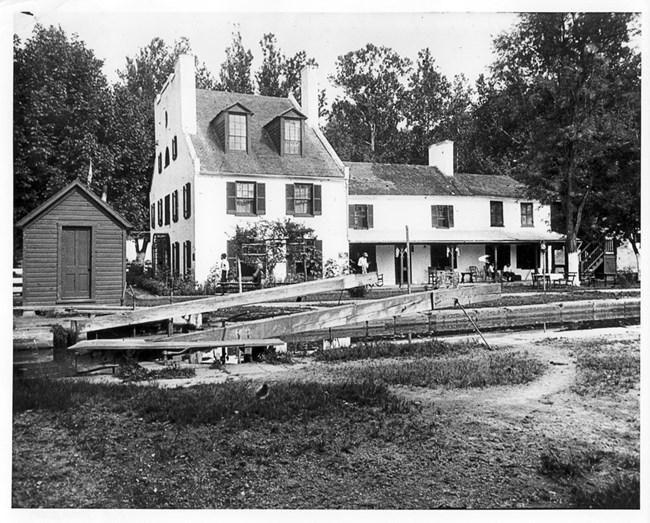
[[358, 292]]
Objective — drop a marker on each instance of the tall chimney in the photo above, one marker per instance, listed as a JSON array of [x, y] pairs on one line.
[[184, 75], [309, 93], [441, 155]]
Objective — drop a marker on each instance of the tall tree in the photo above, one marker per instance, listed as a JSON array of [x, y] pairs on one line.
[[62, 117], [563, 70], [365, 118], [235, 74], [426, 101], [269, 74]]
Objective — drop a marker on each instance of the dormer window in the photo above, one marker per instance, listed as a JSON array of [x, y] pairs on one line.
[[232, 128], [286, 132], [237, 132], [292, 136]]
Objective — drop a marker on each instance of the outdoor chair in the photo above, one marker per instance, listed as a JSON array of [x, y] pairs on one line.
[[476, 274]]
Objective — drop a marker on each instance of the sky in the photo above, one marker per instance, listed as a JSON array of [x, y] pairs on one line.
[[460, 42]]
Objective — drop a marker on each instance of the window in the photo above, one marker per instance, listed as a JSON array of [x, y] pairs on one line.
[[237, 135], [153, 215], [187, 200], [167, 206], [292, 136], [167, 157], [176, 264], [159, 163], [526, 214], [160, 254], [175, 206], [174, 147], [609, 247], [166, 120], [246, 198], [160, 212], [442, 216], [304, 199], [187, 256], [496, 214], [361, 216]]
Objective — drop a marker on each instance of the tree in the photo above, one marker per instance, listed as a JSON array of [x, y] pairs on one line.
[[364, 121], [426, 101], [563, 72], [134, 131], [279, 241], [235, 74], [269, 75], [62, 118]]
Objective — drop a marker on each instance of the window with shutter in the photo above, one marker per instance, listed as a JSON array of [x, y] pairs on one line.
[[246, 198], [153, 215], [176, 266], [160, 212], [187, 200], [174, 148], [304, 199], [167, 157], [175, 206], [159, 163], [167, 209]]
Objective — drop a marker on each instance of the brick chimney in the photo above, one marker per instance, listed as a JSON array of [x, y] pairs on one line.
[[441, 155], [309, 93]]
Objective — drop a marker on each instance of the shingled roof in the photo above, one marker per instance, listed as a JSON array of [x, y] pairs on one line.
[[402, 179], [263, 158]]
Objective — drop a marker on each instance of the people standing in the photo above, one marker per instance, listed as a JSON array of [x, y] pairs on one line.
[[258, 275], [224, 268], [363, 263]]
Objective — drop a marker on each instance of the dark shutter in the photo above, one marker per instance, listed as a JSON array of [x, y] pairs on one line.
[[231, 197], [231, 255], [189, 255], [434, 216], [188, 197], [318, 206], [160, 212], [261, 198], [175, 206], [174, 147], [450, 215], [291, 204], [351, 223], [370, 217], [159, 163], [153, 215]]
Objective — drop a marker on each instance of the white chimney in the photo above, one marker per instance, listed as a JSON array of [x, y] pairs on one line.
[[186, 85], [309, 93], [441, 155]]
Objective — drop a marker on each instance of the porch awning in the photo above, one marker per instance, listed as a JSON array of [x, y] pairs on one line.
[[492, 235]]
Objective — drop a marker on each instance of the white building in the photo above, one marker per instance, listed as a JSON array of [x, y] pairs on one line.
[[453, 220], [227, 159]]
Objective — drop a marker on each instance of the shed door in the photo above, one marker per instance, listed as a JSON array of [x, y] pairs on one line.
[[75, 263]]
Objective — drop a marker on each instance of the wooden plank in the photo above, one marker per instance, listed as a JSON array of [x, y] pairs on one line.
[[138, 344], [370, 310], [163, 312]]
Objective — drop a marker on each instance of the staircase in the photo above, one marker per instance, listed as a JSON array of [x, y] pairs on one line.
[[591, 257]]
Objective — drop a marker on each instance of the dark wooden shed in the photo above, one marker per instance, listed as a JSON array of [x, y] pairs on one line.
[[74, 250]]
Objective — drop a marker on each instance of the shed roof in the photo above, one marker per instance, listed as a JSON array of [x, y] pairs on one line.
[[263, 158], [403, 179], [63, 193]]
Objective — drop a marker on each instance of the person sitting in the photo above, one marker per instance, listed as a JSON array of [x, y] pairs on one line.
[[489, 271], [508, 275]]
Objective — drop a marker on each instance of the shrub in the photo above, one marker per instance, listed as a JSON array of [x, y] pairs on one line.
[[358, 292], [383, 349]]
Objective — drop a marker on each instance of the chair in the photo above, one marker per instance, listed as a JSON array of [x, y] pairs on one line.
[[473, 269]]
